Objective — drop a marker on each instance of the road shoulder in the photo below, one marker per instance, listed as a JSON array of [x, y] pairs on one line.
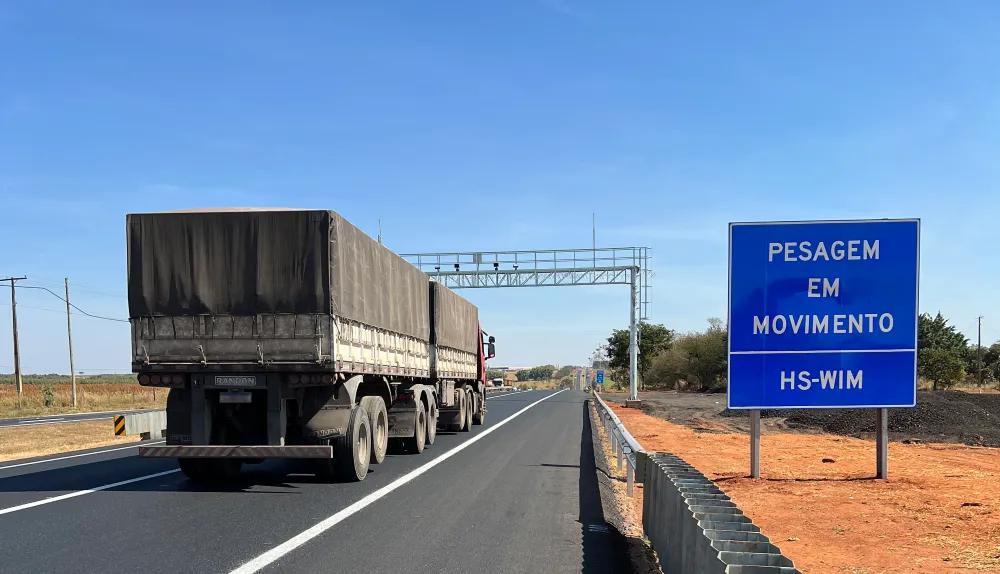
[[622, 512]]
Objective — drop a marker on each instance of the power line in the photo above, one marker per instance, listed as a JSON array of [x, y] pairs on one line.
[[60, 297]]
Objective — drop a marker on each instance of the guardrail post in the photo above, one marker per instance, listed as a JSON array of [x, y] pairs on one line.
[[630, 479], [621, 453]]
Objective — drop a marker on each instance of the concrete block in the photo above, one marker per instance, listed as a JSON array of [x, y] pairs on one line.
[[736, 535], [696, 528], [149, 425]]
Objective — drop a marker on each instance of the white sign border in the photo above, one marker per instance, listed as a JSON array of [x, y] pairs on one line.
[[729, 313]]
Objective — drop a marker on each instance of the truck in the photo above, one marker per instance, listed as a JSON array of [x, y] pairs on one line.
[[285, 333]]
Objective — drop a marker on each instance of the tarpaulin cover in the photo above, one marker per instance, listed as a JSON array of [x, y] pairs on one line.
[[456, 320], [246, 262]]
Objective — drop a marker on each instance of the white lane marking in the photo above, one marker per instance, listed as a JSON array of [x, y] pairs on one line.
[[31, 424], [291, 544], [39, 420], [508, 394], [79, 455], [52, 499], [92, 414]]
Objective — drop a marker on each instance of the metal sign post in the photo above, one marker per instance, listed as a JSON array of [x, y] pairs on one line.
[[882, 444], [755, 443], [823, 314]]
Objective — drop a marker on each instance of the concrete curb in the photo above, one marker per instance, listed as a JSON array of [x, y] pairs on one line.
[[695, 527]]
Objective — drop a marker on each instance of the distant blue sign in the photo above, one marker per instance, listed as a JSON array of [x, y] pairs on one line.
[[823, 314], [599, 379]]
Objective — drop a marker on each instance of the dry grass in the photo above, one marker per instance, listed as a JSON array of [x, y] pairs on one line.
[[91, 397], [40, 440]]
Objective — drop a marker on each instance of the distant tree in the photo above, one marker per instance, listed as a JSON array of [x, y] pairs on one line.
[[493, 374], [943, 351], [991, 363], [986, 359], [539, 373], [696, 361], [542, 372], [653, 338], [565, 371]]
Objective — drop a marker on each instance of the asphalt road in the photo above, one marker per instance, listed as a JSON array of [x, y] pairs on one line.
[[517, 495], [61, 419]]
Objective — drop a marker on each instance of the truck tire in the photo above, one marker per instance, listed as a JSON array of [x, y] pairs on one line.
[[457, 427], [470, 407], [417, 442], [379, 419], [480, 417], [432, 423], [210, 470], [351, 451]]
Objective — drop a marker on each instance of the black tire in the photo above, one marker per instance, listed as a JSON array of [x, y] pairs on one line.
[[352, 451], [480, 417], [416, 443], [379, 419], [457, 427], [470, 407], [210, 470], [432, 423]]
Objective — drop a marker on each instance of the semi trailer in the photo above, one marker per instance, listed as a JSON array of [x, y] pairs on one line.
[[292, 334]]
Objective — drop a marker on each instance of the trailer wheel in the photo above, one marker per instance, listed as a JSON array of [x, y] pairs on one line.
[[416, 442], [470, 408], [432, 423], [379, 419], [209, 470], [457, 427], [351, 451], [480, 417]]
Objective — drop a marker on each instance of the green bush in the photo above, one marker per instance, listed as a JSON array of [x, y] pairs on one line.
[[696, 361], [48, 395]]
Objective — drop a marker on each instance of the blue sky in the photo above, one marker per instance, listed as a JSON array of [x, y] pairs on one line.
[[498, 125]]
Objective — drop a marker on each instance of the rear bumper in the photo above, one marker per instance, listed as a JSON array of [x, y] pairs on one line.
[[236, 451]]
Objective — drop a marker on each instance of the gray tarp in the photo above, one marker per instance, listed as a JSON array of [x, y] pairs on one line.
[[245, 262], [456, 320]]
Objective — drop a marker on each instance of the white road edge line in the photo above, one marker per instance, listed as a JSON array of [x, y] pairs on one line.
[[291, 544], [79, 455], [52, 499]]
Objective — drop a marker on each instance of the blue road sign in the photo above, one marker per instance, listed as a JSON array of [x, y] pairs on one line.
[[823, 314], [599, 379]]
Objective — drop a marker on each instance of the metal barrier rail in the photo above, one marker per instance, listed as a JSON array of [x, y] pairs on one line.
[[503, 389], [627, 450]]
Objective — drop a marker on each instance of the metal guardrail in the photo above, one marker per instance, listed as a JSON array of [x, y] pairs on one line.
[[503, 389], [627, 450]]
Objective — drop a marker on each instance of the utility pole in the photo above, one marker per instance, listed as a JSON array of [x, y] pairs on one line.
[[17, 350], [979, 345], [69, 336]]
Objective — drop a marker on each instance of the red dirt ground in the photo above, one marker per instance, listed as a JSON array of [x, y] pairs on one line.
[[938, 512]]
